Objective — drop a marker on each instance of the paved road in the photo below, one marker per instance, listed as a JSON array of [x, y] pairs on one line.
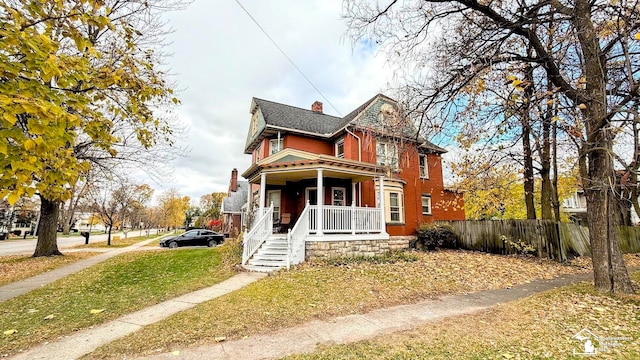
[[28, 246]]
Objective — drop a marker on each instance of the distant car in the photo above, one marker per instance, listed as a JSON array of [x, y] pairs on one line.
[[194, 237]]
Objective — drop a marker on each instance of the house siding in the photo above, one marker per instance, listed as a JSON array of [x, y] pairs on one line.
[[317, 146], [360, 145]]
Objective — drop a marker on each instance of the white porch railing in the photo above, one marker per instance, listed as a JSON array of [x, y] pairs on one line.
[[262, 229], [346, 219], [296, 239]]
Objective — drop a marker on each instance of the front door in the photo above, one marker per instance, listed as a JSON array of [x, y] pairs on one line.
[[338, 196], [311, 195], [273, 197]]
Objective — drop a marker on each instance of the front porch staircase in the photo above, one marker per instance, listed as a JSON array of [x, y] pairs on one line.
[[271, 256]]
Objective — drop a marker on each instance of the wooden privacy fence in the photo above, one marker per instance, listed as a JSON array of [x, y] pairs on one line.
[[551, 239]]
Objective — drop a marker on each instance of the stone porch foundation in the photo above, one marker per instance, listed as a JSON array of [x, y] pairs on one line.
[[354, 248]]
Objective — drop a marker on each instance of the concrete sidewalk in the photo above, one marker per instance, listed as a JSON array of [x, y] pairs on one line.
[[307, 337], [85, 341], [17, 288]]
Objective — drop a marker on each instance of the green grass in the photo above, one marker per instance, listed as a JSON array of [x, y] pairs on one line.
[[537, 327], [120, 285]]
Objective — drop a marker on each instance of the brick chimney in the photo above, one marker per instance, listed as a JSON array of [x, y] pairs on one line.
[[317, 107], [233, 186]]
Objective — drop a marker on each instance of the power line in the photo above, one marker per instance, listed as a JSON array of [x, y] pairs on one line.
[[287, 56]]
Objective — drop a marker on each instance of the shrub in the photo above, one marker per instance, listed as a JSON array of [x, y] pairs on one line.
[[388, 258], [519, 246], [431, 236]]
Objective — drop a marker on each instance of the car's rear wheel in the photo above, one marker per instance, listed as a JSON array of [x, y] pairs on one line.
[[212, 243], [173, 245]]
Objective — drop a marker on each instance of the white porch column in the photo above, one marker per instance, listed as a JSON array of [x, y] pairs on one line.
[[320, 199], [381, 196], [353, 208], [263, 190]]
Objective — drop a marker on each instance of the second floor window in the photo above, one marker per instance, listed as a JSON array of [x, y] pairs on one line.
[[275, 145], [387, 154], [340, 148], [424, 166]]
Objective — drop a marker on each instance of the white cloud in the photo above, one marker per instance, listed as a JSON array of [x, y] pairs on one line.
[[221, 59]]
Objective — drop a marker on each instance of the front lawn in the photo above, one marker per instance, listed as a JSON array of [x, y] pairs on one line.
[[19, 267], [118, 286], [541, 326], [325, 290]]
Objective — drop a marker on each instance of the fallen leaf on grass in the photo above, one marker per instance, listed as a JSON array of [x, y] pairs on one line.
[[49, 317], [96, 311], [9, 332]]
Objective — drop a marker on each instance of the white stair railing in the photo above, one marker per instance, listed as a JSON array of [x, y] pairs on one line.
[[296, 238], [260, 232]]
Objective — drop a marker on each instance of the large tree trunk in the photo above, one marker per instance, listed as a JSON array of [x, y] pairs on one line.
[[609, 270], [529, 184], [47, 229], [546, 195]]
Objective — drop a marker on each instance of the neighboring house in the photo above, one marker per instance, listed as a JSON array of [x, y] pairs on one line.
[[576, 207], [88, 221], [357, 185], [232, 205]]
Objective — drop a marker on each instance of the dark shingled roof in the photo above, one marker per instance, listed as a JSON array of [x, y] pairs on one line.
[[292, 117], [234, 202], [295, 118]]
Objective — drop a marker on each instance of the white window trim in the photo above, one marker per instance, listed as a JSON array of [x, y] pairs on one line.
[[337, 144], [422, 205], [278, 142], [388, 155], [424, 168]]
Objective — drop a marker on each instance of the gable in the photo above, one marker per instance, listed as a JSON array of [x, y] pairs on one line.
[[382, 116], [256, 125]]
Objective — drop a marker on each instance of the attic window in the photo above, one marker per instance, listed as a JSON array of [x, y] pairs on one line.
[[254, 123], [388, 115]]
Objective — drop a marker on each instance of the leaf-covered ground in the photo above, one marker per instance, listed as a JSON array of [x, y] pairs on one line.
[[118, 286], [17, 267], [324, 290], [542, 326]]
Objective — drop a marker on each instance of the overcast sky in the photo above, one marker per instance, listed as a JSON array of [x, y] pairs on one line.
[[221, 59]]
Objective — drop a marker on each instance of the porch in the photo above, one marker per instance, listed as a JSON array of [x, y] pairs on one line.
[[321, 198]]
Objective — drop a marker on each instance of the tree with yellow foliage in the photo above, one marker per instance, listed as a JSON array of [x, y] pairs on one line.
[[80, 87]]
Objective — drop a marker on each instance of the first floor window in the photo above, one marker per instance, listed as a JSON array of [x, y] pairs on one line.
[[394, 207], [426, 205]]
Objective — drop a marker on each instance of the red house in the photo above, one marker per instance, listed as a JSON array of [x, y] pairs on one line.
[[322, 185]]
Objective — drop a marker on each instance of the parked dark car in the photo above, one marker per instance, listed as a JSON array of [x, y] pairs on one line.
[[194, 237]]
